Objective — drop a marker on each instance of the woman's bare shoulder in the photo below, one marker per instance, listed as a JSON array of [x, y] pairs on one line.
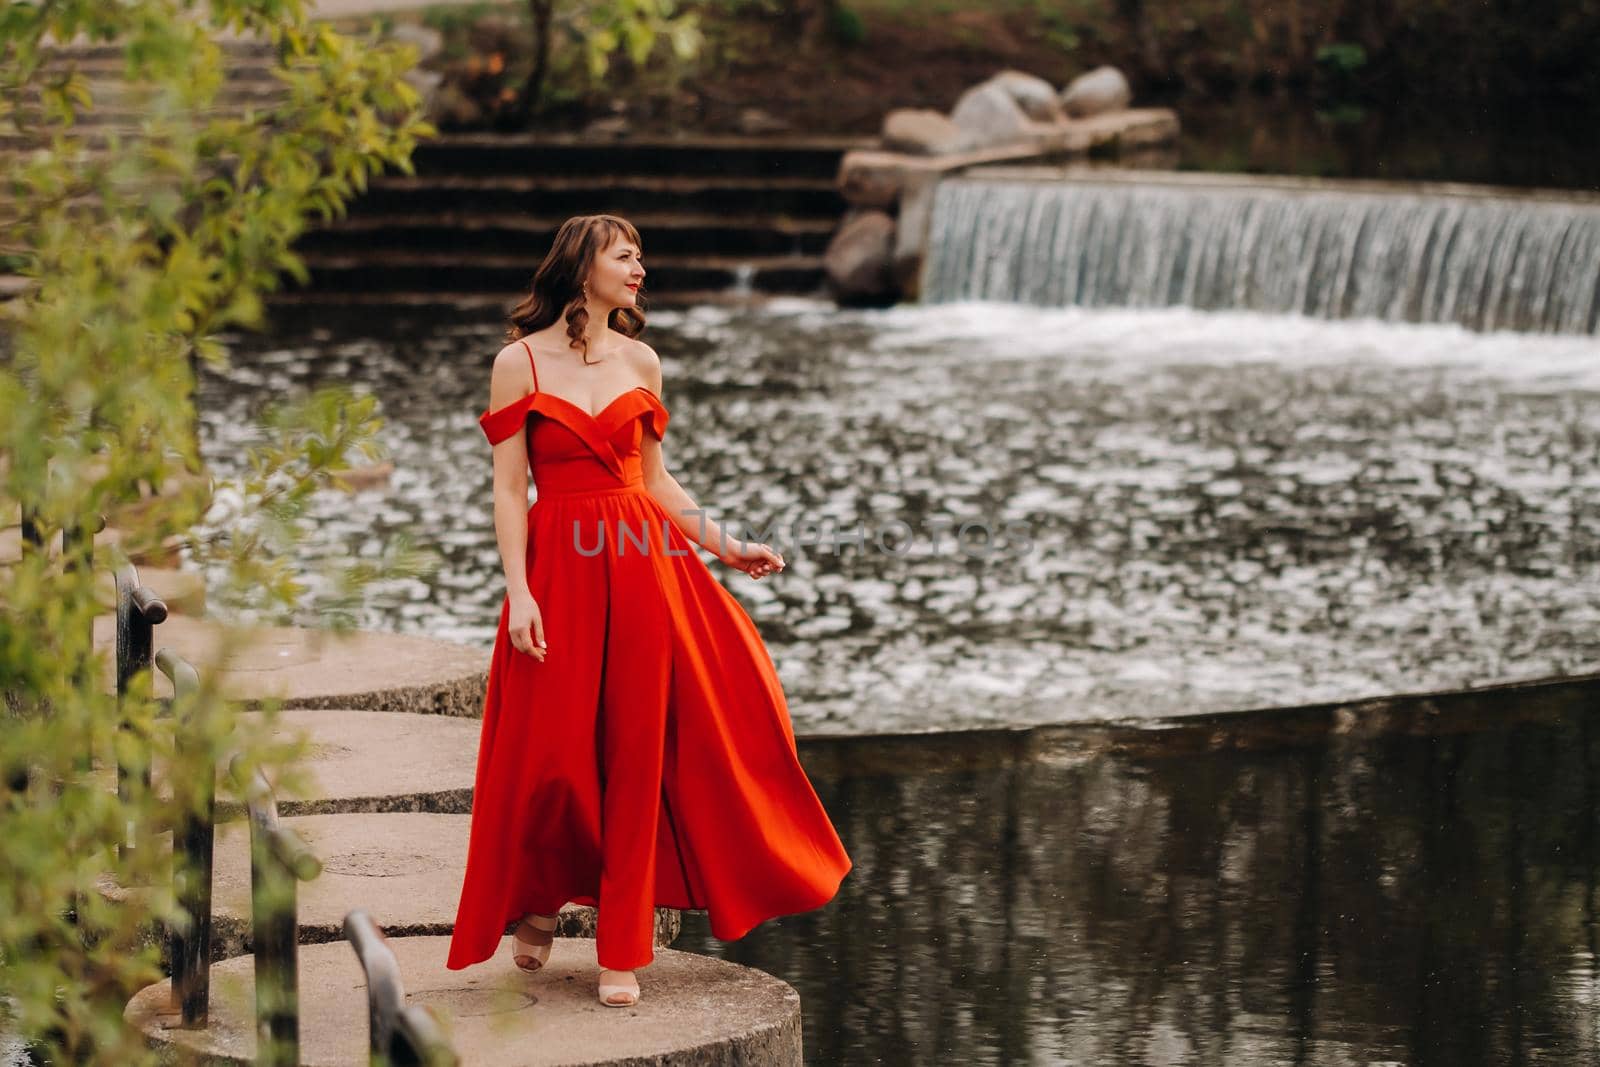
[[517, 349], [646, 364], [511, 377]]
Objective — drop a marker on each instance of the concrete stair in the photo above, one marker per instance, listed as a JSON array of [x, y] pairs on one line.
[[723, 218], [718, 215], [382, 798], [313, 669], [247, 83]]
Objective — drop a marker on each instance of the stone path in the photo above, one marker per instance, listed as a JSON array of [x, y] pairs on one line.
[[692, 1010], [401, 868], [383, 799], [315, 669], [371, 761]]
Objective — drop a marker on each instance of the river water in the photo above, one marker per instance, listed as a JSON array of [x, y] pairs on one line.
[[1168, 511], [1414, 885]]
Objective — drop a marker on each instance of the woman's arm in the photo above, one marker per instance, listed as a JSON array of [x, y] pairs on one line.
[[510, 381], [754, 559], [680, 507]]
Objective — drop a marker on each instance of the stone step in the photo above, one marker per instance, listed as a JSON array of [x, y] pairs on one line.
[[317, 669], [500, 154], [605, 190], [113, 96], [402, 868], [369, 761], [458, 232], [693, 1010], [240, 59], [288, 305], [450, 273], [93, 126], [237, 47], [358, 761]]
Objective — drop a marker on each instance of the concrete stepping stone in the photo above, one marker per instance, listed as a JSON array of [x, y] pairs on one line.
[[369, 761], [403, 868], [359, 761], [693, 1009], [316, 669]]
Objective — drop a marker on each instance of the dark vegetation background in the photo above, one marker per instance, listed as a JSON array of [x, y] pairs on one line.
[[1480, 90]]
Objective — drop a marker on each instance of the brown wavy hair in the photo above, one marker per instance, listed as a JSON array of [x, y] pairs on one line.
[[557, 284]]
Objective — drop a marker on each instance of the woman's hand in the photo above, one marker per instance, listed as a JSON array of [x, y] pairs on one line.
[[526, 626], [754, 558]]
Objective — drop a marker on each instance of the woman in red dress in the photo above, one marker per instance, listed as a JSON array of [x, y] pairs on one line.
[[636, 748]]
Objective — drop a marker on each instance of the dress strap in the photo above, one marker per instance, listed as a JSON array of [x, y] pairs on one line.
[[531, 364]]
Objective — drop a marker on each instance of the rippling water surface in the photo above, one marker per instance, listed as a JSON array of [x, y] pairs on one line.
[[1187, 511], [1416, 887]]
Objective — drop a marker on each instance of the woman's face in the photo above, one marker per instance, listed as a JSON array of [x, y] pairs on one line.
[[617, 273]]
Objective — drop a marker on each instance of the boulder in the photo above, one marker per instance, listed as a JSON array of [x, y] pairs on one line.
[[1033, 94], [1097, 92], [988, 115], [920, 132], [911, 234], [870, 179], [858, 258]]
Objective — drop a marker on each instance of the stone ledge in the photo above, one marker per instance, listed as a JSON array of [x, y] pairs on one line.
[[317, 669], [878, 178], [351, 764], [379, 761], [693, 1010]]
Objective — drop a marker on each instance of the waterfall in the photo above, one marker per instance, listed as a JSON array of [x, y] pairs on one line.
[[1403, 253]]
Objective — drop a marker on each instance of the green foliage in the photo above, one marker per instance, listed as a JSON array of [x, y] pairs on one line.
[[454, 20], [1342, 115], [632, 28], [1059, 30], [138, 256], [848, 27], [1342, 56]]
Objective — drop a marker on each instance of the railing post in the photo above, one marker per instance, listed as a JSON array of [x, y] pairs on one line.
[[32, 532], [139, 611], [192, 841], [400, 1034], [279, 860]]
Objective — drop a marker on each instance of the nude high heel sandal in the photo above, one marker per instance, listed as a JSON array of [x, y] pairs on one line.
[[618, 994], [531, 941]]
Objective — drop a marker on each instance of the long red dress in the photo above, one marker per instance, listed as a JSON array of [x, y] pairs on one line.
[[649, 760]]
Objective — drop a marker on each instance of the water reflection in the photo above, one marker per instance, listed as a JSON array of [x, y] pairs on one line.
[[1225, 510], [1411, 883]]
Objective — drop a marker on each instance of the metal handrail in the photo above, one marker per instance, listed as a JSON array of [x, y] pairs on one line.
[[192, 858], [279, 860], [139, 611], [400, 1034]]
